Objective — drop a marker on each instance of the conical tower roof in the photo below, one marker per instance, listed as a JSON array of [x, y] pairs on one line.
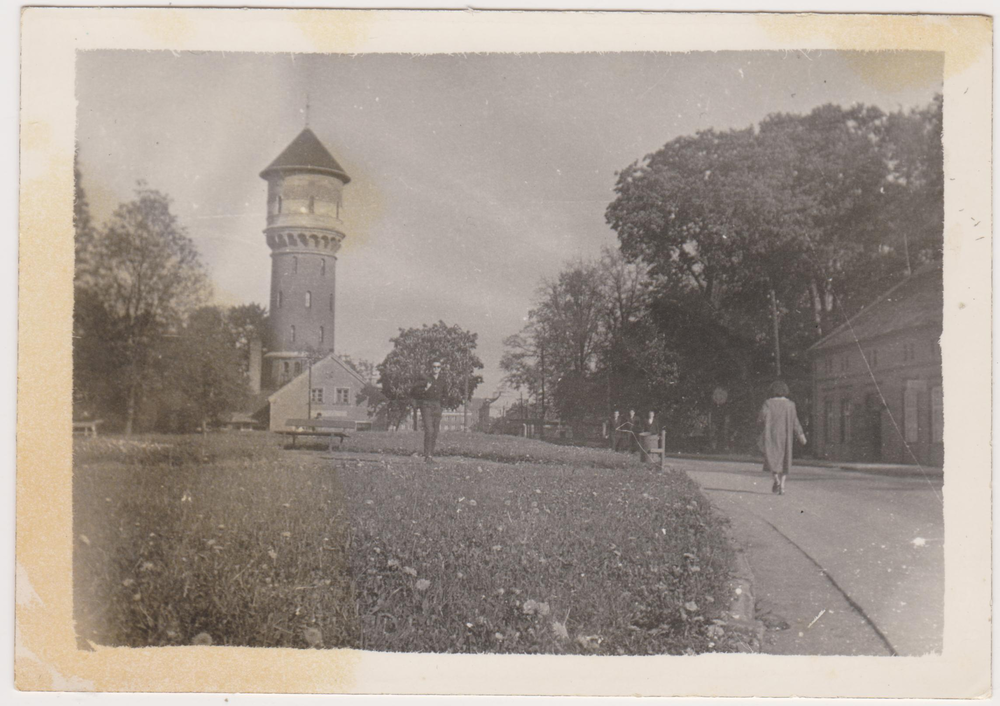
[[306, 153]]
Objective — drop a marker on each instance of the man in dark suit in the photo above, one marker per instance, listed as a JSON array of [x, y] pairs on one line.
[[431, 390], [651, 424], [632, 426]]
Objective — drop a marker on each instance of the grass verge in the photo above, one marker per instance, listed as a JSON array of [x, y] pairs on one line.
[[504, 545]]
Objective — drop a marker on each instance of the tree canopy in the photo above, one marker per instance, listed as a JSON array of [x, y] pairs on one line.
[[409, 361], [138, 279]]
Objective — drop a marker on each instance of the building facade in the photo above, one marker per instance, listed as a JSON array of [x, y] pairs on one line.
[[304, 232], [328, 390], [877, 393]]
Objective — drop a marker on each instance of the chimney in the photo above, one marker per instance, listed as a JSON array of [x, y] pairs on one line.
[[255, 364]]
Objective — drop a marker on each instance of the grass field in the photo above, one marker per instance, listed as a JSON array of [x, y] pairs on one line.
[[503, 545]]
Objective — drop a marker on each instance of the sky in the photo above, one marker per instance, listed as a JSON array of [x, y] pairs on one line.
[[474, 177]]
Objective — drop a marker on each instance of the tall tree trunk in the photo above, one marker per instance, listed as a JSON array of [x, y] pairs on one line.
[[817, 302], [130, 406]]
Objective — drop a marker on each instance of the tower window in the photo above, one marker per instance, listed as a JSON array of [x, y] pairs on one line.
[[322, 267], [293, 333], [295, 263], [298, 367], [279, 204], [331, 302], [287, 367], [309, 300], [279, 299], [322, 334]]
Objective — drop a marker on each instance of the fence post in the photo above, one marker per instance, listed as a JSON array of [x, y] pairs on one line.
[[663, 449]]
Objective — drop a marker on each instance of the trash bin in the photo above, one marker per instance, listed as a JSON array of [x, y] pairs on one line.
[[650, 444]]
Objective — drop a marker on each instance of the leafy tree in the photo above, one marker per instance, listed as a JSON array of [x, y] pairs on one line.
[[244, 324], [146, 277], [409, 361], [802, 218], [206, 369]]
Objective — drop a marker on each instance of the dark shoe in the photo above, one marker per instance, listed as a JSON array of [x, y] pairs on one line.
[[781, 491], [775, 488]]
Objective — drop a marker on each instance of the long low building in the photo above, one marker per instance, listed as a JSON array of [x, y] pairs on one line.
[[877, 392], [328, 390]]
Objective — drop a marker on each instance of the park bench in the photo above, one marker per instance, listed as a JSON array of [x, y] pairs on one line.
[[87, 427], [333, 428]]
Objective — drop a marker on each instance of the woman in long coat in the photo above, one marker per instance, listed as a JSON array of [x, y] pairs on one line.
[[778, 424]]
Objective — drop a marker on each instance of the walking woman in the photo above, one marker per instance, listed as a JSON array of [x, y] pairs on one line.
[[778, 423]]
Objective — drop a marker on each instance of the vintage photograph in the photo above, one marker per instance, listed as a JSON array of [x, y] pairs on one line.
[[619, 354], [504, 353]]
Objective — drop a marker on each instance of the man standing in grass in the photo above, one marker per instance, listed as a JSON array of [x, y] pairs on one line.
[[431, 392]]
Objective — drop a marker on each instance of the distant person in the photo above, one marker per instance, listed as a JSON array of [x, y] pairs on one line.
[[651, 424], [778, 423], [630, 427], [429, 393], [613, 432]]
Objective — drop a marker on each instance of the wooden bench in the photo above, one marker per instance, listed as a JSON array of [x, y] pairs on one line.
[[86, 427], [333, 428]]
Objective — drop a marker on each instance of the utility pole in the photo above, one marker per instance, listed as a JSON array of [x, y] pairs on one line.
[[309, 391], [465, 402], [541, 429], [777, 343]]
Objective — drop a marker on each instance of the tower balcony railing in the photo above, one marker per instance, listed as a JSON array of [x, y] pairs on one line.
[[318, 240]]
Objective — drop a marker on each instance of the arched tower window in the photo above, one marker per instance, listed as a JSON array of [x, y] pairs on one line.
[[322, 334], [279, 299], [295, 263], [293, 333], [309, 300], [322, 267]]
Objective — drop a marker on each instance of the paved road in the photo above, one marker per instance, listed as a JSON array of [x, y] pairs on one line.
[[866, 549]]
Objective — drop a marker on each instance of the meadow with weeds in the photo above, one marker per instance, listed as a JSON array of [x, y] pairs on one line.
[[503, 545]]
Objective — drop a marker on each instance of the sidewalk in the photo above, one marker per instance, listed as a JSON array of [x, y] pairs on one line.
[[880, 469]]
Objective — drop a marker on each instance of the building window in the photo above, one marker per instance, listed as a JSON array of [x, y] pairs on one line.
[[331, 302], [316, 394], [322, 267], [279, 299], [293, 333], [322, 334], [309, 300], [911, 409], [287, 367], [827, 421], [295, 263], [298, 367], [343, 395], [845, 420]]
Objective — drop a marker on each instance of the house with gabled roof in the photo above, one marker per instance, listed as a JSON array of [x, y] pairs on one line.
[[877, 382], [329, 389]]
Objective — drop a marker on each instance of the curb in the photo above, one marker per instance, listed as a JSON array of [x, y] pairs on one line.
[[875, 469]]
